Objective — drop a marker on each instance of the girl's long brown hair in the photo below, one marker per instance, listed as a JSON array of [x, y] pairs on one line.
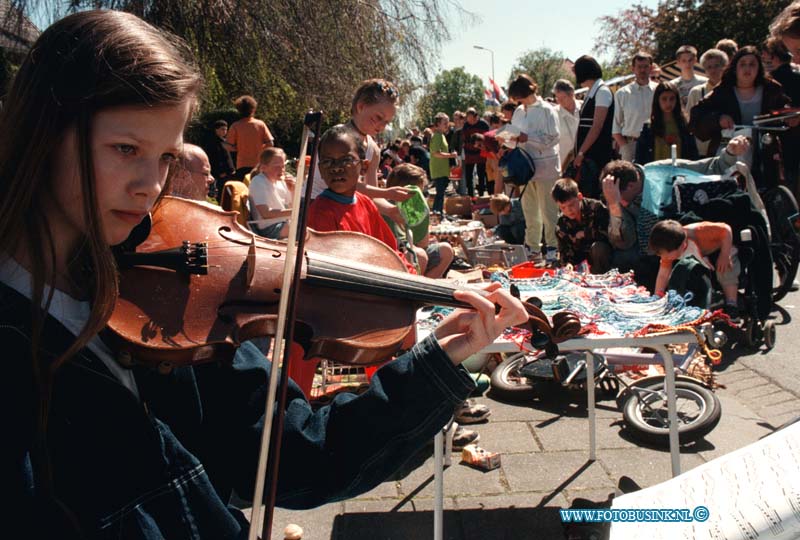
[[84, 63], [657, 116]]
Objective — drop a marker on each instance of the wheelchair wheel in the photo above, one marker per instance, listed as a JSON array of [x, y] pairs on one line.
[[785, 244], [769, 335]]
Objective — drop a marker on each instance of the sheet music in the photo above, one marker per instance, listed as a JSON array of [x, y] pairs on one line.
[[752, 493]]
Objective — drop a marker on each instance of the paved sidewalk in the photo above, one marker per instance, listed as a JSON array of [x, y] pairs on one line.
[[545, 467]]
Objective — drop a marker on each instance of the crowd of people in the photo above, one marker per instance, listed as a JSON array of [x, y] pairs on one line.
[[689, 118], [582, 201], [99, 448]]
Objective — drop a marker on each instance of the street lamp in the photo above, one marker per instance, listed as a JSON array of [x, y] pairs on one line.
[[492, 53]]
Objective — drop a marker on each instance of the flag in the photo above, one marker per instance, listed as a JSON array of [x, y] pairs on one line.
[[499, 95], [489, 99]]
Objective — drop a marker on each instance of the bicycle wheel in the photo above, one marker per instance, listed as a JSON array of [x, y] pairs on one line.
[[699, 412], [507, 382], [785, 244]]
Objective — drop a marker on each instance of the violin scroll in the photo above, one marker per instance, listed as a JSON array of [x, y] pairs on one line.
[[546, 335]]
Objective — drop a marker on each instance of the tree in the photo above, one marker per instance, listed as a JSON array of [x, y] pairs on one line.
[[625, 34], [451, 90], [292, 55], [680, 22], [545, 66], [703, 23]]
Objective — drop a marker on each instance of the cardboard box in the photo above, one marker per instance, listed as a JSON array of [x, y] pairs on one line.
[[506, 255], [458, 206], [469, 276], [479, 458], [481, 202], [488, 220]]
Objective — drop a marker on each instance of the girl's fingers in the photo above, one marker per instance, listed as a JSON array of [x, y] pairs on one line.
[[489, 287], [455, 323], [512, 312], [465, 332], [481, 303], [444, 327]]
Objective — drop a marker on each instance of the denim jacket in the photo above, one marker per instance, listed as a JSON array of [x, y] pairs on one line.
[[165, 466]]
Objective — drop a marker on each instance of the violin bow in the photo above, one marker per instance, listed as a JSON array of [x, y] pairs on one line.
[[269, 454]]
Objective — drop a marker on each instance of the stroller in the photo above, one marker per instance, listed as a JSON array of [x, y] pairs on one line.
[[763, 233]]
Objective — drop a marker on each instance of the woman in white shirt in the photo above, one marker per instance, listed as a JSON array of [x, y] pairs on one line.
[[271, 195], [537, 122]]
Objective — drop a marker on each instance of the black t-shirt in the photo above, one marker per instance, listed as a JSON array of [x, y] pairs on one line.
[[218, 157]]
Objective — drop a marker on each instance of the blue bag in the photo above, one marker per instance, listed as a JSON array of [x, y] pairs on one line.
[[517, 167]]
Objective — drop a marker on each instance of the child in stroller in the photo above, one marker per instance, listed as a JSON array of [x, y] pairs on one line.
[[760, 230]]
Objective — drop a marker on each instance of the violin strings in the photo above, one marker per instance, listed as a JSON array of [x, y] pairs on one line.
[[405, 282], [420, 284], [393, 292], [401, 277], [337, 271], [396, 283], [343, 277]]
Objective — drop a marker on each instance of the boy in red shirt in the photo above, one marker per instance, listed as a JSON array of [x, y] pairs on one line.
[[340, 207], [672, 241]]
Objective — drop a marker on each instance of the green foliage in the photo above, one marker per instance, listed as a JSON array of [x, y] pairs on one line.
[[292, 55], [684, 22], [702, 24], [451, 90], [545, 66], [611, 70]]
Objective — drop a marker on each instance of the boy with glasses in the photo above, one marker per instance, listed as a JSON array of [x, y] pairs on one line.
[[341, 207]]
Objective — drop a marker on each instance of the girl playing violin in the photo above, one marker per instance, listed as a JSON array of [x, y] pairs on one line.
[[95, 450]]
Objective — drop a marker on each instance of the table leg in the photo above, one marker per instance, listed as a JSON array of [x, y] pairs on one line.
[[590, 399], [438, 480], [672, 413]]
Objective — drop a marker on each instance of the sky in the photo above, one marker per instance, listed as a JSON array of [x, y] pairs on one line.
[[511, 29]]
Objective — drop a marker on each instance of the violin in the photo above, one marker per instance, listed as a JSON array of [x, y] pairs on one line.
[[194, 284]]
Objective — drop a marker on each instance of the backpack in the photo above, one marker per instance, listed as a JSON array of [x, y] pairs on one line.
[[517, 167]]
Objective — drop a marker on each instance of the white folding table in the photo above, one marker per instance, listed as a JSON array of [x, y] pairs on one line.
[[656, 342]]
